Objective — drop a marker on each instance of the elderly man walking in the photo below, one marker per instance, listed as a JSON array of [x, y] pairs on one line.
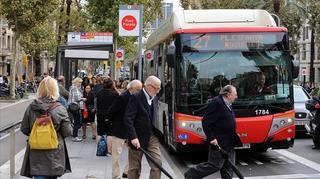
[[219, 125], [138, 121], [119, 134]]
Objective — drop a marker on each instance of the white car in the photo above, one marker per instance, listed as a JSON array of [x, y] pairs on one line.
[[302, 115]]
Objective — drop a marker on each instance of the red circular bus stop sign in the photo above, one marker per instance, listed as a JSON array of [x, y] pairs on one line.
[[129, 22], [119, 55]]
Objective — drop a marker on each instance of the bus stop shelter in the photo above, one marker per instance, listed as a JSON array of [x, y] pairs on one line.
[[69, 55]]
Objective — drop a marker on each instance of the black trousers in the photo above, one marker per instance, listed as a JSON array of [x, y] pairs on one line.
[[316, 136], [215, 163]]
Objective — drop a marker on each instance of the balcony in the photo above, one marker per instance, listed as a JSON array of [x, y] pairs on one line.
[[5, 52]]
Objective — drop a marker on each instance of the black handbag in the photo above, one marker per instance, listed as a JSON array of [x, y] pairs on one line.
[[74, 107]]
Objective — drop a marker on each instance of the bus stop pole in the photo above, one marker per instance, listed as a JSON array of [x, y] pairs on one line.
[[58, 65], [140, 45]]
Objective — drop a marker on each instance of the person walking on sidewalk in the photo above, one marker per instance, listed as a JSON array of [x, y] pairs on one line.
[[104, 100], [75, 98], [119, 135], [220, 128], [47, 164], [138, 121]]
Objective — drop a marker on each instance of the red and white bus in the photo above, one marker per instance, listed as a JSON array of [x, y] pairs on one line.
[[196, 52]]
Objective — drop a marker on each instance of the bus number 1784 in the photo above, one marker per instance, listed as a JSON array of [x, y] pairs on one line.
[[260, 112]]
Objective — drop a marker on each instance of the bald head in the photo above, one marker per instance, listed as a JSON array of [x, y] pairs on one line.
[[134, 86]]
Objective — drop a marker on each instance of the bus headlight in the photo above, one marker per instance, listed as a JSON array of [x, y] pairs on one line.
[[183, 124], [279, 123], [192, 126]]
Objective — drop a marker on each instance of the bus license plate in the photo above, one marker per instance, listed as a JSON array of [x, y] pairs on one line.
[[244, 146], [302, 123]]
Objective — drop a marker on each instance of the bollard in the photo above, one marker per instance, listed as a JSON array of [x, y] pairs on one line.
[[12, 153]]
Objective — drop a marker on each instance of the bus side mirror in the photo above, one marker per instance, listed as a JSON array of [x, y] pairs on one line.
[[295, 68], [171, 54]]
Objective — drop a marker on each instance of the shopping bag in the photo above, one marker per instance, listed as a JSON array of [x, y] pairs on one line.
[[102, 146], [85, 113]]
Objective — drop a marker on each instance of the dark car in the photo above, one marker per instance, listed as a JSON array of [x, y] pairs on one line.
[[302, 115]]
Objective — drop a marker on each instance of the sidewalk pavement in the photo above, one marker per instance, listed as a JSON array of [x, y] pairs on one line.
[[86, 165], [5, 104]]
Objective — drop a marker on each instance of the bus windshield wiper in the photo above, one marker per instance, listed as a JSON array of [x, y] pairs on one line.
[[200, 109], [271, 106]]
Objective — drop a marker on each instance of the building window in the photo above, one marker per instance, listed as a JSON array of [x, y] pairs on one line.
[[307, 32], [304, 52], [318, 53], [298, 55], [303, 33], [9, 43]]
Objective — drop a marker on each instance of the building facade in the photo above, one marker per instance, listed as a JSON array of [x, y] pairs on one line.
[[303, 56], [6, 53]]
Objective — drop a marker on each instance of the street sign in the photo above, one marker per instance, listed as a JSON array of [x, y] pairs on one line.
[[88, 38], [148, 54], [129, 20], [120, 54]]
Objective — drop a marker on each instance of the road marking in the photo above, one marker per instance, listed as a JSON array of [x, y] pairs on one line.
[[242, 163], [299, 159], [257, 162], [295, 176], [5, 168], [285, 159]]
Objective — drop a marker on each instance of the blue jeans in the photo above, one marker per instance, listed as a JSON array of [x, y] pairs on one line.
[[44, 177]]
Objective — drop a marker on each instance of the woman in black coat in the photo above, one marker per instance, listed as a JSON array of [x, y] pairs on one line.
[[104, 100], [91, 112]]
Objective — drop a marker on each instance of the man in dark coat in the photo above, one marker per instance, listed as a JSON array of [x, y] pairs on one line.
[[119, 136], [62, 91], [138, 121], [220, 128]]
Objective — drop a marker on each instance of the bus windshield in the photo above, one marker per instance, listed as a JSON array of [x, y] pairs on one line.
[[262, 76]]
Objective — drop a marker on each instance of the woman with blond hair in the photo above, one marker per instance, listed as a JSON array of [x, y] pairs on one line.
[[47, 164], [75, 106]]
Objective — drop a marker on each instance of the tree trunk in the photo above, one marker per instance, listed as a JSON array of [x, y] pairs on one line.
[[276, 6], [60, 23], [312, 56], [13, 66]]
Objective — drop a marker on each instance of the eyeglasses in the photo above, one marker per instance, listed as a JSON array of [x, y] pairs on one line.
[[154, 87]]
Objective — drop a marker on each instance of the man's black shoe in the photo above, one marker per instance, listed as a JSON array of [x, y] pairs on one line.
[[124, 175], [315, 147]]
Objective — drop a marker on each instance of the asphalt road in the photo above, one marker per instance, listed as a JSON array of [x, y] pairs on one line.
[[298, 162], [9, 114]]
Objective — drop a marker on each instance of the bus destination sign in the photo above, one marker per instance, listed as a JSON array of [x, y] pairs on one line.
[[230, 41]]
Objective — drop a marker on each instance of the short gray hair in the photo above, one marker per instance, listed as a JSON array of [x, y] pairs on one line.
[[133, 83], [226, 90], [152, 80]]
